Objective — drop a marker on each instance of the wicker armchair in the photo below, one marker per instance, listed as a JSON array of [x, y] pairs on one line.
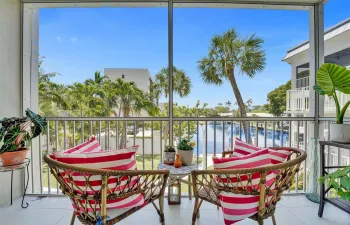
[[207, 185], [151, 183]]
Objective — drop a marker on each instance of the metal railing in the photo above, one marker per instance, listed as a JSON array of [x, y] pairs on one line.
[[298, 100], [212, 136]]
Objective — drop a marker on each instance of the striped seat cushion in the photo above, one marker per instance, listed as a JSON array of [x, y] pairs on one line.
[[236, 207], [122, 159], [241, 149]]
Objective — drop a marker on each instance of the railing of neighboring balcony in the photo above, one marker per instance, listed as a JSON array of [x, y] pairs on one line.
[[212, 135]]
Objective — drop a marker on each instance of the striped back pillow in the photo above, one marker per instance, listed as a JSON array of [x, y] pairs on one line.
[[122, 159], [91, 145], [236, 207], [241, 149]]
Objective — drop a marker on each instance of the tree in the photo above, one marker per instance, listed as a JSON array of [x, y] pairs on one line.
[[228, 103], [181, 83], [229, 54], [277, 99]]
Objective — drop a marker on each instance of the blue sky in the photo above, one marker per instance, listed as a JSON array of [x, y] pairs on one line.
[[77, 42]]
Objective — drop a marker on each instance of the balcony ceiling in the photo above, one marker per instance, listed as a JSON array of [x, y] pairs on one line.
[[156, 2]]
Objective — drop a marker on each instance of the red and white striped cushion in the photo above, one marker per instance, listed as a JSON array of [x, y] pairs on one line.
[[122, 159], [241, 149], [236, 207], [91, 145]]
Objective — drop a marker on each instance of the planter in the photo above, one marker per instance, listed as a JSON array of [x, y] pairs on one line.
[[340, 132], [186, 156], [12, 158], [169, 157]]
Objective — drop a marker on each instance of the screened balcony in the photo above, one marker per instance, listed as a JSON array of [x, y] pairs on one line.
[[212, 134]]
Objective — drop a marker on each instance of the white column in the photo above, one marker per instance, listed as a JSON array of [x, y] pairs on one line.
[[10, 82], [316, 52]]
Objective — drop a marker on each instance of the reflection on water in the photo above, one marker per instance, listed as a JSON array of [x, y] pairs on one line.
[[223, 136]]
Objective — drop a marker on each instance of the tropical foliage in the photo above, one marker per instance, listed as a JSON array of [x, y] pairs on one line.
[[340, 181], [330, 79], [277, 99], [229, 55], [18, 132]]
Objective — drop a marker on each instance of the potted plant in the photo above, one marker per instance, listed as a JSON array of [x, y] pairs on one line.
[[185, 149], [330, 79], [16, 134], [340, 181], [169, 155]]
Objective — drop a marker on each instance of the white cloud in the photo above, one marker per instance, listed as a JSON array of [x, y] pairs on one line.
[[59, 39], [73, 40]]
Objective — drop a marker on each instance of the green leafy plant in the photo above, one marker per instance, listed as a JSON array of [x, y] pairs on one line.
[[186, 144], [332, 78], [16, 133], [340, 181], [169, 148]]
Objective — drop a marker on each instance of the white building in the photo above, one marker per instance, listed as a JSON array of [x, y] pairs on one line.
[[141, 77], [337, 50]]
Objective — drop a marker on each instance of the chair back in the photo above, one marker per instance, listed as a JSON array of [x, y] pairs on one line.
[[90, 202]]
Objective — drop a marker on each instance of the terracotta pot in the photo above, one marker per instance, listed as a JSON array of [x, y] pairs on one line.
[[169, 157], [186, 156], [177, 162], [13, 158]]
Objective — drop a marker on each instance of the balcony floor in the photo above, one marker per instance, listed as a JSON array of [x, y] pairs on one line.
[[291, 210]]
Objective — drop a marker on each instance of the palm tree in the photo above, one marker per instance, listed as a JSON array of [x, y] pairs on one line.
[[98, 79], [181, 83], [132, 100], [181, 86], [228, 104], [229, 54]]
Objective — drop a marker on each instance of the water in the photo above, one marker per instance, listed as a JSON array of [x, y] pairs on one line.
[[224, 136]]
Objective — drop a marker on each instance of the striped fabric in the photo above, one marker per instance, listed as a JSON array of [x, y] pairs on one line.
[[236, 207], [91, 145], [122, 159], [241, 149]]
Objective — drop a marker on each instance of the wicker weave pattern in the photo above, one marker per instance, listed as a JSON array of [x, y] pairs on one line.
[[150, 183], [207, 182]]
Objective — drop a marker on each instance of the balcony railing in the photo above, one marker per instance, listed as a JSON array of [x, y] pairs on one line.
[[298, 101], [212, 136]]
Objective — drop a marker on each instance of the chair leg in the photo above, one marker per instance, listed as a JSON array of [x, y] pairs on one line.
[[73, 218], [273, 219], [195, 211], [161, 210]]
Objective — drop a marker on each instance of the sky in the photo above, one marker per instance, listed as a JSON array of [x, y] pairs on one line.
[[76, 42]]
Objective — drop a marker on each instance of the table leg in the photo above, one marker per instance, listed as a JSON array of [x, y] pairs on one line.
[[25, 187], [11, 184], [189, 188], [322, 187]]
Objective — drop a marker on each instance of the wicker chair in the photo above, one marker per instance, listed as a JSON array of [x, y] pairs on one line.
[[151, 183], [206, 186]]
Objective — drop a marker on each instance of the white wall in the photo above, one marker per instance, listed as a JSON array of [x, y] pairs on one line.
[[139, 76], [10, 81]]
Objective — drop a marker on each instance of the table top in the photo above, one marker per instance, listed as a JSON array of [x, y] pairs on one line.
[[336, 144], [15, 166], [177, 171]]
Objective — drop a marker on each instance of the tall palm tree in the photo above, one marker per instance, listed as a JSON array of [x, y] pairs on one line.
[[98, 79], [229, 54], [181, 86], [228, 103], [181, 83], [132, 100]]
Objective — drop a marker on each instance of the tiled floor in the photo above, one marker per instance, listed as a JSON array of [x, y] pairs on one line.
[[291, 210]]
